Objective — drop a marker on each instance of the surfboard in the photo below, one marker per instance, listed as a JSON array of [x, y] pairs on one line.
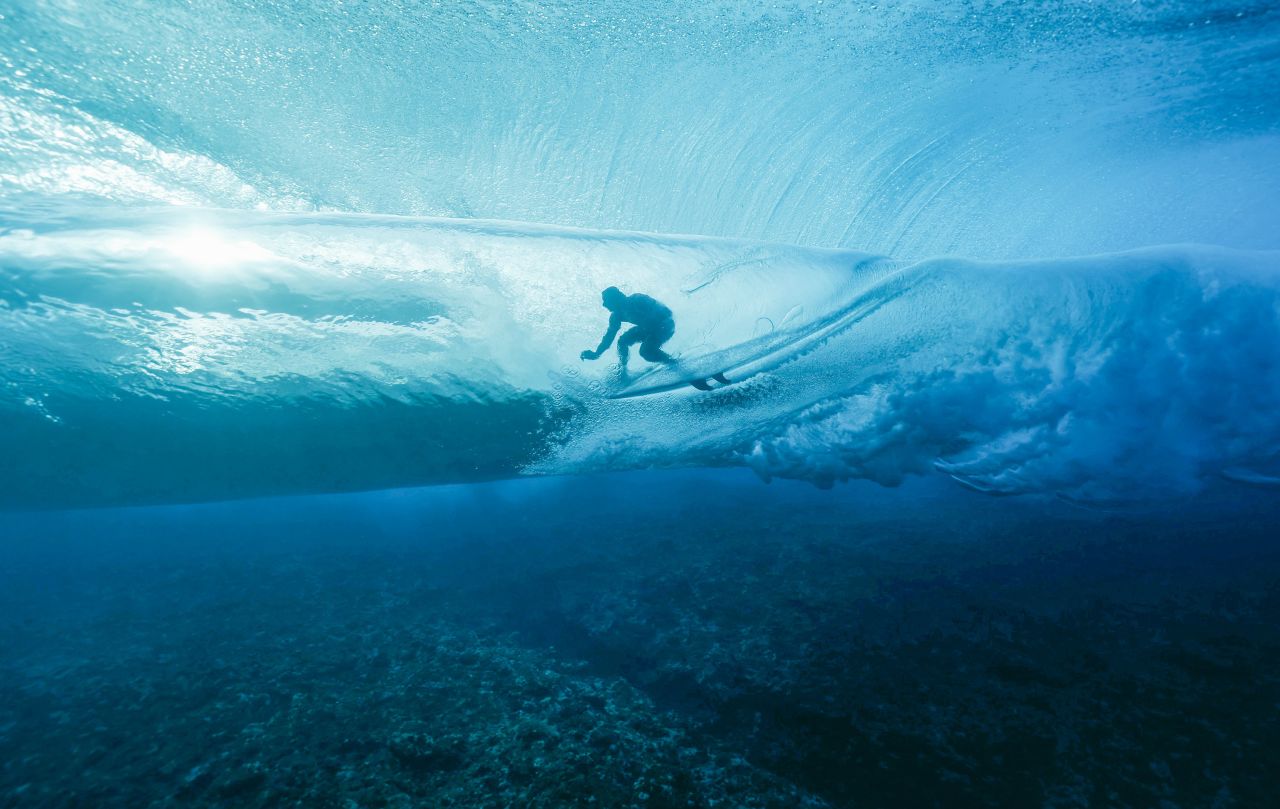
[[719, 369], [705, 372]]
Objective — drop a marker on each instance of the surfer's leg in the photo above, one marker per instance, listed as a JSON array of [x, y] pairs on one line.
[[651, 348], [654, 354], [629, 338], [721, 378]]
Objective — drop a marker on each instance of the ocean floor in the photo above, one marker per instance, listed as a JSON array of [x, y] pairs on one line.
[[683, 639]]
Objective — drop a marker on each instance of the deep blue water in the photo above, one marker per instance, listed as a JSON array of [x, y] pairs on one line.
[[646, 639], [306, 497]]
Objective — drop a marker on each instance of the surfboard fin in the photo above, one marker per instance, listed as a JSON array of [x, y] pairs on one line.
[[705, 384]]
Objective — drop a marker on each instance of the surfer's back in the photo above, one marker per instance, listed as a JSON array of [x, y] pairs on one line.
[[644, 311]]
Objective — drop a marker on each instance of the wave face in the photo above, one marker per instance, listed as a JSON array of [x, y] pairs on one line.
[[162, 354], [991, 130], [272, 247]]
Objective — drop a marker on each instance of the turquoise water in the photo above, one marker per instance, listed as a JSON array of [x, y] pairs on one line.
[[307, 497]]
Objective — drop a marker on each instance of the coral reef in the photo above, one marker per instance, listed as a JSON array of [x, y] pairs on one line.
[[726, 650]]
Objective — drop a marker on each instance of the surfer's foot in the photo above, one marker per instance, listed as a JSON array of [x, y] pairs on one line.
[[700, 384], [721, 378]]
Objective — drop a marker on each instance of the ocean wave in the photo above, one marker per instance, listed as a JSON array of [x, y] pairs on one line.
[[167, 354]]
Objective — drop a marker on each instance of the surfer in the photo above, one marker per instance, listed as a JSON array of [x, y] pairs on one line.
[[654, 325]]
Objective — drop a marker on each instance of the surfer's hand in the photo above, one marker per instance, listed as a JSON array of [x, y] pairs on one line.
[[589, 355]]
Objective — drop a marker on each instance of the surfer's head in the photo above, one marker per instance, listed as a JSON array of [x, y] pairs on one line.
[[613, 298]]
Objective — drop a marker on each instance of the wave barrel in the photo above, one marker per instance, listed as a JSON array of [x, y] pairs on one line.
[[154, 355]]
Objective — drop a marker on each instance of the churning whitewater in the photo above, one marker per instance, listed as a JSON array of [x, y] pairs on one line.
[[171, 354]]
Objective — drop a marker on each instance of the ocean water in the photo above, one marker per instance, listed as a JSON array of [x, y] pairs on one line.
[[307, 498]]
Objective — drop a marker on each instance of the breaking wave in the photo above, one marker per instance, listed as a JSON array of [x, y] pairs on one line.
[[220, 275], [168, 354]]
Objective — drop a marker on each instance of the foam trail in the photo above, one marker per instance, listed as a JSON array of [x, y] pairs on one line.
[[166, 354]]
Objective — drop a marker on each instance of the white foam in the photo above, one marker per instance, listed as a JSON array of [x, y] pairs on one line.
[[1108, 378]]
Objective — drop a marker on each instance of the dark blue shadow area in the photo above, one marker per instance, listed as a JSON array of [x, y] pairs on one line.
[[648, 639]]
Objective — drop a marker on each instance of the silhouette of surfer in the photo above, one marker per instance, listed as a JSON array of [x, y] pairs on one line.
[[653, 326]]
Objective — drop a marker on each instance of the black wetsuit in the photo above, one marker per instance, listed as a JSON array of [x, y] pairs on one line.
[[654, 325]]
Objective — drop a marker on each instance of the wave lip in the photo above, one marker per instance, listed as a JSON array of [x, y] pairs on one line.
[[910, 129]]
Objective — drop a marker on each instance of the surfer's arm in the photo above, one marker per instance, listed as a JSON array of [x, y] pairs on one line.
[[615, 323]]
